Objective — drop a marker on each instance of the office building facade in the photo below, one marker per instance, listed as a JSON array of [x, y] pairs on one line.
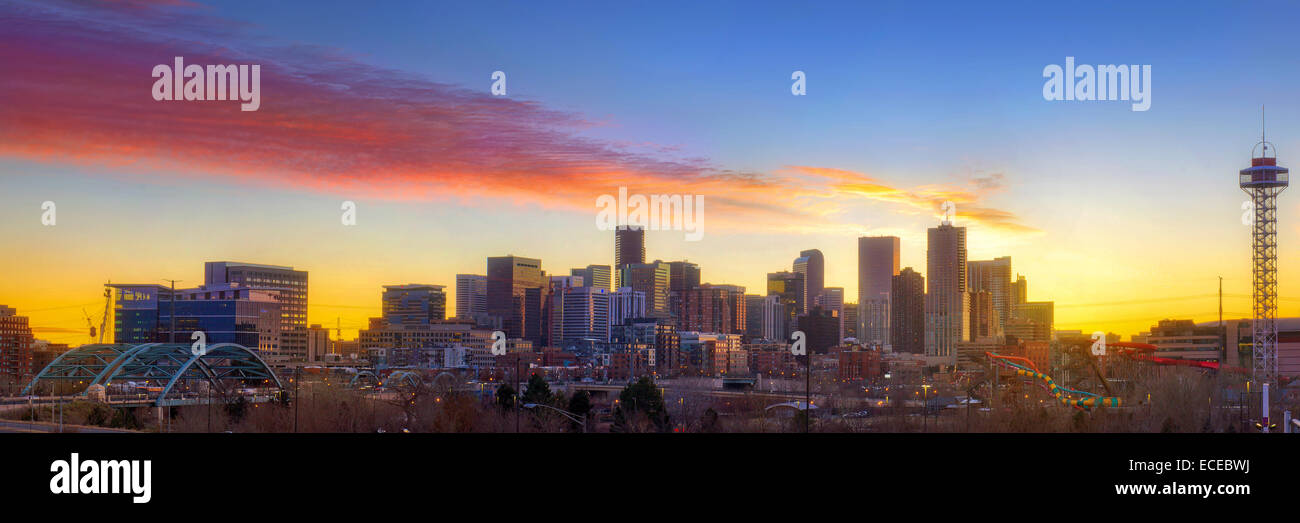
[[291, 287], [878, 260]]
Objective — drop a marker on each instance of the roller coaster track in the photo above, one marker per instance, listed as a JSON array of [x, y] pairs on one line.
[[1026, 368]]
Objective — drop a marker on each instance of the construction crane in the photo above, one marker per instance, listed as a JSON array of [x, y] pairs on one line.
[[89, 325], [108, 302]]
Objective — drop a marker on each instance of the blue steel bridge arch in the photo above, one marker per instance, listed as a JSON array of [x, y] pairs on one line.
[[172, 363]]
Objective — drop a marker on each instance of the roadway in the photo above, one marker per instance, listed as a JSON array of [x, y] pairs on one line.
[[9, 427]]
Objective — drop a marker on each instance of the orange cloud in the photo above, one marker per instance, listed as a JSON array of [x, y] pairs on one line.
[[77, 91]]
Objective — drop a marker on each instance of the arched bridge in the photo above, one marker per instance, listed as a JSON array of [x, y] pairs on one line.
[[166, 370]]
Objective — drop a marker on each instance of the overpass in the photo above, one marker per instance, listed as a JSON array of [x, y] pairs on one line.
[[160, 374]]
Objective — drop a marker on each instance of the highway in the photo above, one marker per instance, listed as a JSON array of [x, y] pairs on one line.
[[8, 426]]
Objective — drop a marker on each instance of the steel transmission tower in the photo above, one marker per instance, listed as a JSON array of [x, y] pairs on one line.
[[1263, 181]]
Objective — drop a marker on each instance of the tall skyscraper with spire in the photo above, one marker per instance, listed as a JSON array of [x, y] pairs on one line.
[[946, 300]]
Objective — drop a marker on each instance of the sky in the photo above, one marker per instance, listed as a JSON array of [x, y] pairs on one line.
[[1121, 217]]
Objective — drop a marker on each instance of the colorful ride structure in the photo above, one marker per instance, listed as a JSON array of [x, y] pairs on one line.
[[1082, 400]]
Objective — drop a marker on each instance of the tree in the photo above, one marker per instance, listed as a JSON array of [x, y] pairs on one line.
[[237, 409], [538, 390], [640, 400], [709, 421], [506, 396], [580, 404]]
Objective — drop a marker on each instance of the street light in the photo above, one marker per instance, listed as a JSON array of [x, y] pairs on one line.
[[572, 416], [925, 407]]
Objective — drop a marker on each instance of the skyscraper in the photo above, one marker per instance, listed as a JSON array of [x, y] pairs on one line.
[[471, 295], [713, 308], [983, 320], [228, 313], [946, 299], [15, 344], [414, 304], [776, 318], [754, 316], [579, 314], [789, 289], [652, 279], [626, 304], [629, 248], [1019, 292], [832, 300], [993, 276], [597, 276], [907, 312], [682, 276], [812, 265], [509, 282], [850, 320], [292, 291], [135, 312], [877, 264]]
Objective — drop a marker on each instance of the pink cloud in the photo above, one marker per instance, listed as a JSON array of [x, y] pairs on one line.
[[77, 91]]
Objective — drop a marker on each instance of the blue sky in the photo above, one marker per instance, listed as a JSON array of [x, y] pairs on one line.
[[910, 95]]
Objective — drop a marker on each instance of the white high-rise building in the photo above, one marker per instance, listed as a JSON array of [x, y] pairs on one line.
[[775, 318], [625, 304], [471, 295], [580, 313], [946, 300]]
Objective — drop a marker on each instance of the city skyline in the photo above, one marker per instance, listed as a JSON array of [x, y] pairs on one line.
[[1107, 211]]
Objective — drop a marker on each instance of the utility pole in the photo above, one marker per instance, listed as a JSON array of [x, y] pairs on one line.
[[1223, 333], [807, 394], [171, 335], [297, 379], [515, 400]]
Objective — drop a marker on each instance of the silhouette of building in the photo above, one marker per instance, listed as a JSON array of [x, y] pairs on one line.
[[907, 312], [877, 264], [629, 248]]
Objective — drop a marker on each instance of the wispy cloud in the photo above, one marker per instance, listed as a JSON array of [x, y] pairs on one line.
[[77, 91], [924, 199]]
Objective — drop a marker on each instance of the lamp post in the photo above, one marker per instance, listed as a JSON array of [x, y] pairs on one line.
[[570, 415], [925, 407]]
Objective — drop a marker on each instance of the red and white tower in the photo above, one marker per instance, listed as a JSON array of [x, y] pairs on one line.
[[1263, 181]]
